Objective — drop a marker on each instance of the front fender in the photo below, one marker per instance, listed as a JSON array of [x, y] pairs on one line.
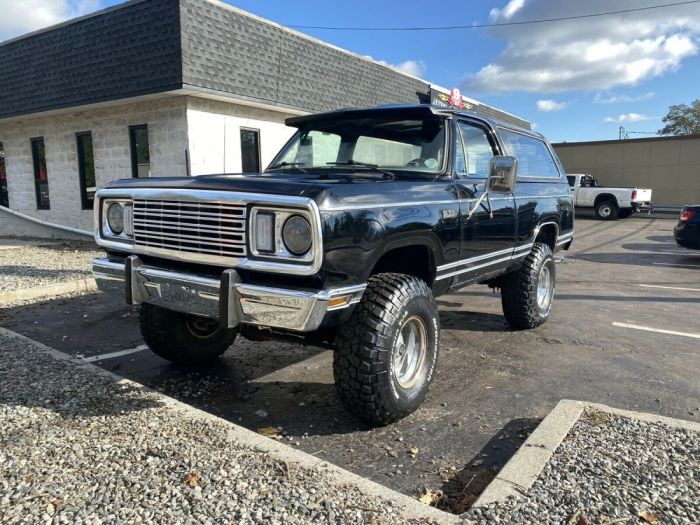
[[355, 240]]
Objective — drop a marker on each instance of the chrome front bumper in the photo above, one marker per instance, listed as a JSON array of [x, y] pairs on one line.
[[226, 299]]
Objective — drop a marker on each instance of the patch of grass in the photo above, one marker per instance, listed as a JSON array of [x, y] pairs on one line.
[[597, 418]]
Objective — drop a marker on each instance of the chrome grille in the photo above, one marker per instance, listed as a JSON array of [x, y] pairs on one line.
[[212, 228]]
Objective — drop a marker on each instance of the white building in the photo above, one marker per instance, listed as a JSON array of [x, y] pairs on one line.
[[164, 88]]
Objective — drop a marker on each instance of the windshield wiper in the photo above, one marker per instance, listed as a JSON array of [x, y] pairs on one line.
[[288, 165], [359, 164]]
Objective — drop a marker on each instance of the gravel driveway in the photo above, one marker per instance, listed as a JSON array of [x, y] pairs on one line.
[[76, 447], [612, 469], [32, 266]]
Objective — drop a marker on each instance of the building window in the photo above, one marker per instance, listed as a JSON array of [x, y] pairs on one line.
[[4, 197], [41, 178], [140, 154], [86, 169], [250, 150]]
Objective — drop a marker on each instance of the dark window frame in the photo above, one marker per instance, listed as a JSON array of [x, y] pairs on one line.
[[132, 147], [87, 204], [257, 132], [4, 192], [489, 137], [37, 180]]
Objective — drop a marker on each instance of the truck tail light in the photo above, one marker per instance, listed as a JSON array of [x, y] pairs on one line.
[[686, 215], [634, 195]]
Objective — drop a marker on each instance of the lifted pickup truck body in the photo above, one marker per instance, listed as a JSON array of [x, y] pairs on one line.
[[362, 219], [608, 203]]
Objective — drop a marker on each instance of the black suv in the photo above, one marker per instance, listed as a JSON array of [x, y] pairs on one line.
[[362, 219]]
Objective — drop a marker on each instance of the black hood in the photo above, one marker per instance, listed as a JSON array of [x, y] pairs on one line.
[[330, 189]]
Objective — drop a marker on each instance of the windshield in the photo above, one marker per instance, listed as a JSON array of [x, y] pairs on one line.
[[390, 144]]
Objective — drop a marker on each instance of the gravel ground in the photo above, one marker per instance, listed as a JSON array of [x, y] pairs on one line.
[[612, 469], [31, 266], [75, 447]]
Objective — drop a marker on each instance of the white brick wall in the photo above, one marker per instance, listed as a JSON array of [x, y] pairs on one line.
[[167, 130], [215, 139], [210, 129]]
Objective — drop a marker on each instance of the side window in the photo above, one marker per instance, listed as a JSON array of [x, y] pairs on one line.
[[41, 177], [534, 159], [86, 169], [4, 197], [140, 152], [571, 179], [250, 150], [476, 157]]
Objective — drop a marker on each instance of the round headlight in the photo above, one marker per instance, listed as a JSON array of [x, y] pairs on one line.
[[296, 235], [115, 218]]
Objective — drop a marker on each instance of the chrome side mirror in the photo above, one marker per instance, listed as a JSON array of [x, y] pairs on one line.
[[502, 174]]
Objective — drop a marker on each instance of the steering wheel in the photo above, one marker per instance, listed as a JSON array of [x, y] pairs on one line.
[[416, 163]]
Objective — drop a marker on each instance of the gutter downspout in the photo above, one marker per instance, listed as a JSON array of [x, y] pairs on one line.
[[46, 223]]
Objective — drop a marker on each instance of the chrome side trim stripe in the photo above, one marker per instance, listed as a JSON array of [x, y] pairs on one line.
[[524, 247], [563, 239], [519, 249], [452, 274], [472, 259], [425, 203]]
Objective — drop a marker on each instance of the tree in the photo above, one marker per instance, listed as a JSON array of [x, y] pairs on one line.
[[682, 119]]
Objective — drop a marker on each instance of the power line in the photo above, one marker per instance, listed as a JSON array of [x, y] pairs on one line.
[[497, 24]]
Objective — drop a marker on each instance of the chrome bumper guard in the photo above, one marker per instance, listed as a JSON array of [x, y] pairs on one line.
[[226, 299]]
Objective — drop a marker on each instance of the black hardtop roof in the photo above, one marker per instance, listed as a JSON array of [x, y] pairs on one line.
[[401, 110]]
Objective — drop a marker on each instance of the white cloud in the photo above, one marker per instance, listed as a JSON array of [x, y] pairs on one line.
[[593, 53], [549, 105], [19, 17], [411, 67], [629, 117], [610, 98], [512, 7]]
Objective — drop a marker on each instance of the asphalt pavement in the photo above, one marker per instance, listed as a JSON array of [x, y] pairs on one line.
[[623, 332]]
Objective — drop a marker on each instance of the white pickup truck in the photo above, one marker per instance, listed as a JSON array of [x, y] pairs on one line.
[[608, 203]]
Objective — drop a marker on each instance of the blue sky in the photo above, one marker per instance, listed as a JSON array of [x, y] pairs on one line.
[[576, 80]]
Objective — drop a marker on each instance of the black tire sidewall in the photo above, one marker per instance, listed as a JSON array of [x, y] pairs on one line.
[[167, 335], [519, 289], [365, 346], [408, 400]]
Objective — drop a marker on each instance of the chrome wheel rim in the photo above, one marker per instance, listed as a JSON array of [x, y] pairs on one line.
[[544, 289], [409, 352], [604, 211], [201, 327]]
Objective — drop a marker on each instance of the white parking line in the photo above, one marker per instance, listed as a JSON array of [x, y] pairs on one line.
[[657, 330], [102, 357], [678, 265], [670, 287]]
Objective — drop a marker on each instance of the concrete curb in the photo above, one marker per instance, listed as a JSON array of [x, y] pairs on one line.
[[409, 507], [39, 292], [521, 471]]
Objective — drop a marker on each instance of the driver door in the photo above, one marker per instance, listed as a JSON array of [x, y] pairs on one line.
[[487, 227]]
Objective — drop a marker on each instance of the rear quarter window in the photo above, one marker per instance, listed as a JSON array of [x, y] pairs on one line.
[[534, 158]]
